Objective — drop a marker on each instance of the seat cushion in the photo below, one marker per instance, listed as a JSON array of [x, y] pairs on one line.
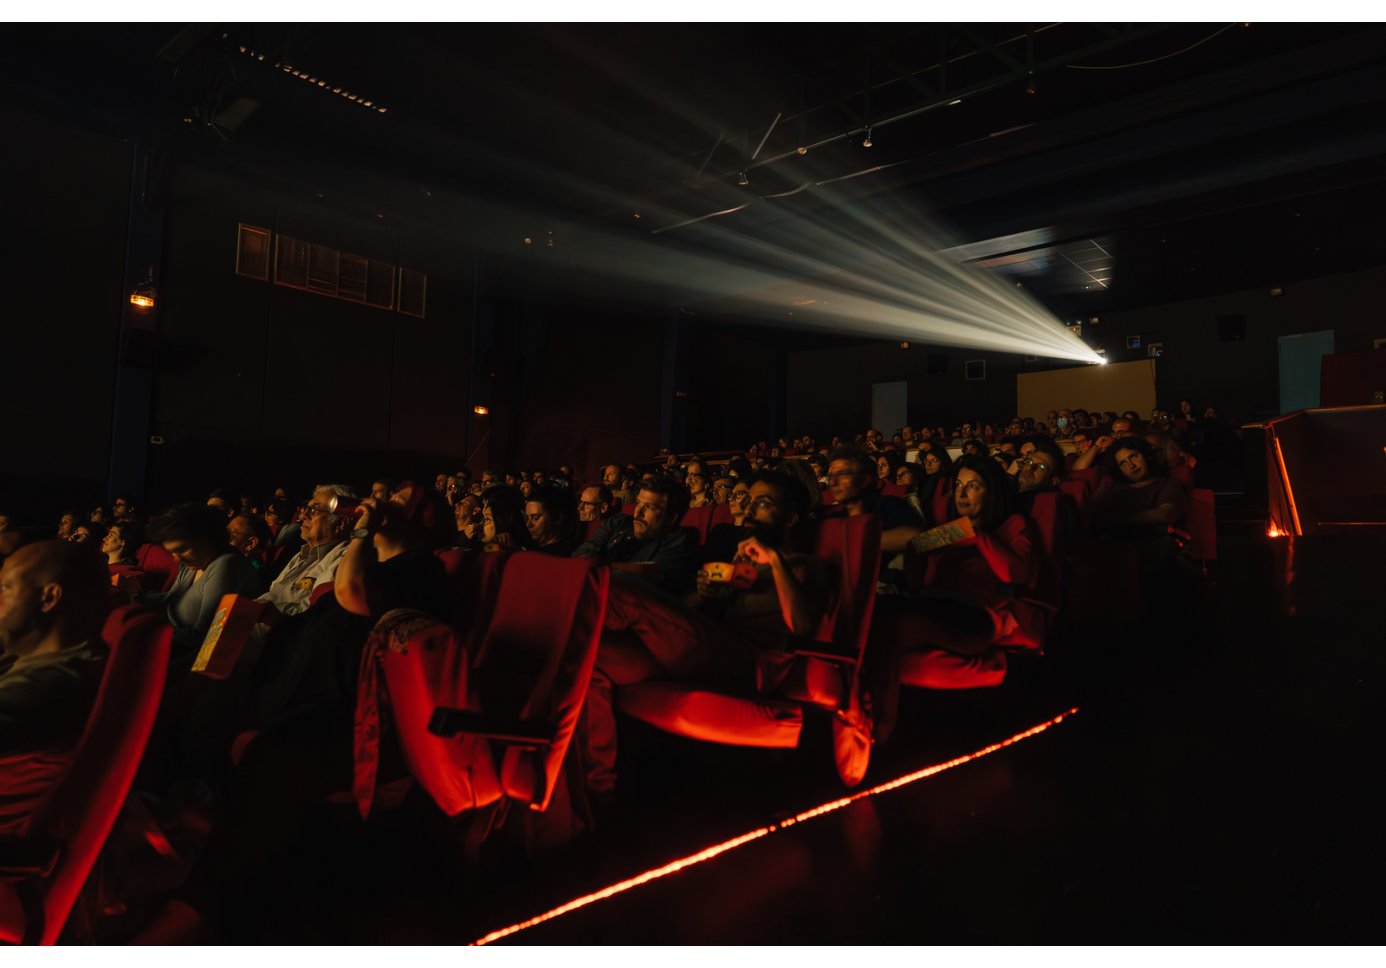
[[713, 716], [12, 918], [941, 669]]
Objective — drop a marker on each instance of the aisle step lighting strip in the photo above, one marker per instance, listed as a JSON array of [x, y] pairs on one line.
[[673, 867]]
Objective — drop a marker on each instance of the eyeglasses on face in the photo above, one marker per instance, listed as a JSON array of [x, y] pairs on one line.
[[1031, 462], [968, 487], [589, 504], [761, 503], [311, 509]]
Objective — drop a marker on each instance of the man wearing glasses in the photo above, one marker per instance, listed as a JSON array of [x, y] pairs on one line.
[[595, 504], [324, 540]]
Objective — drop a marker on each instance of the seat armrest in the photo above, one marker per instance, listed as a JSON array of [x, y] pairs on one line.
[[28, 856], [446, 721], [821, 650]]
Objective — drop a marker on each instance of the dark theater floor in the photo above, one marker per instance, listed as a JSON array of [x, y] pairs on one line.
[[1216, 785]]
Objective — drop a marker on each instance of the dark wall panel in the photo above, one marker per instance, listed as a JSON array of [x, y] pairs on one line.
[[591, 385], [261, 385], [66, 231]]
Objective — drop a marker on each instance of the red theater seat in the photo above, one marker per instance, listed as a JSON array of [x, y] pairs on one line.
[[894, 490], [161, 567], [699, 520], [940, 669], [823, 672], [721, 514], [938, 504], [42, 871], [529, 677], [1200, 521], [1078, 489]]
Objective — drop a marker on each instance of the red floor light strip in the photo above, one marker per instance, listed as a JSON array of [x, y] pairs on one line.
[[674, 867]]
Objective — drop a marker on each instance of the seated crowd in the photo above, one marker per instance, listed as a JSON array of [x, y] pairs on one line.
[[968, 571]]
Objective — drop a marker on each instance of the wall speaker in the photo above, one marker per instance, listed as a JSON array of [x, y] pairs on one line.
[[974, 370]]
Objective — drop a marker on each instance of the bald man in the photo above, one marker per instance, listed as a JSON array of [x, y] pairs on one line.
[[53, 600]]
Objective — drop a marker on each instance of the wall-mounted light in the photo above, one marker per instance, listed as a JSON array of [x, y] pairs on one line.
[[481, 411], [143, 295]]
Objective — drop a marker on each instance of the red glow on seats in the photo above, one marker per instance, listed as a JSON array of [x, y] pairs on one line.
[[673, 867]]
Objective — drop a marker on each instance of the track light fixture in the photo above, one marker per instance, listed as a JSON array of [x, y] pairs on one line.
[[316, 81], [866, 142], [742, 180]]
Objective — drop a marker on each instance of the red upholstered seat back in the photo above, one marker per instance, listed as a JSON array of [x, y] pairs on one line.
[[84, 804], [474, 578], [894, 490], [699, 520], [1079, 489], [1090, 474], [1200, 520], [852, 545], [628, 510], [721, 514], [161, 566], [536, 660], [1049, 515], [938, 504], [1182, 473], [459, 773]]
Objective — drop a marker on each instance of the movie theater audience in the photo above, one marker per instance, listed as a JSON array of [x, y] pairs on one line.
[[359, 574]]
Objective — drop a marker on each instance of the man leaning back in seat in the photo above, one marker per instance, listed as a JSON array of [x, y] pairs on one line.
[[719, 636], [53, 601]]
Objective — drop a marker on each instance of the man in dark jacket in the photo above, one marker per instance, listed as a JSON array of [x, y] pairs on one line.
[[649, 543]]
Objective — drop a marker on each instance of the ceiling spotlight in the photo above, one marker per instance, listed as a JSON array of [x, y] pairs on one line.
[[1030, 88], [528, 240], [866, 142], [802, 150], [742, 180], [955, 102]]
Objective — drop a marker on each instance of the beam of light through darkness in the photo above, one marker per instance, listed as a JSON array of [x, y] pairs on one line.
[[673, 867]]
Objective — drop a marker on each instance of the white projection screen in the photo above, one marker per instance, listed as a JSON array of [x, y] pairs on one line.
[[1116, 387]]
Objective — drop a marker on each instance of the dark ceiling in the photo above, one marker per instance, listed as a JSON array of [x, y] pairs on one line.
[[1104, 166]]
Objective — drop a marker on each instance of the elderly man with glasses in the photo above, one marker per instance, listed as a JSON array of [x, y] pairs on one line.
[[324, 540]]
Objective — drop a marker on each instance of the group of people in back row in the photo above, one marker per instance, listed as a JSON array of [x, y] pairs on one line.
[[327, 571]]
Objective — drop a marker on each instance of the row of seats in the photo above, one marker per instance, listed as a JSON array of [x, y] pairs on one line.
[[485, 705]]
